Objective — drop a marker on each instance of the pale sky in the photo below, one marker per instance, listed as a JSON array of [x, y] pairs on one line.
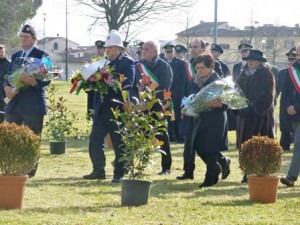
[[237, 13]]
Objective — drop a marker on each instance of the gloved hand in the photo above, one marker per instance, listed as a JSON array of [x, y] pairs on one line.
[[245, 112]]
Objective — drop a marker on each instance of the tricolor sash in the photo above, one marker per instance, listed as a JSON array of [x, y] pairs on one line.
[[295, 77], [190, 70], [145, 71], [76, 88]]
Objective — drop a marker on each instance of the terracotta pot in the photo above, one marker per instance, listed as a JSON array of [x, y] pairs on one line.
[[12, 191], [263, 189]]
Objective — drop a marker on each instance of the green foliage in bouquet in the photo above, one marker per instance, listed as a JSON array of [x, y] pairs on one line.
[[138, 126], [60, 122], [19, 149], [261, 156]]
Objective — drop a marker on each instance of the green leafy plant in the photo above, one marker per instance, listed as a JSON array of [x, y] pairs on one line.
[[261, 156], [138, 126], [19, 149], [60, 122]]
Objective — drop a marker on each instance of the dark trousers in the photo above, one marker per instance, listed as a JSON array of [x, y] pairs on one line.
[[188, 155], [102, 125], [212, 167], [166, 159], [34, 122], [286, 140]]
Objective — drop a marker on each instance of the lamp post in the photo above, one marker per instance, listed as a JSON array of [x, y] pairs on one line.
[[44, 18], [216, 22], [67, 47]]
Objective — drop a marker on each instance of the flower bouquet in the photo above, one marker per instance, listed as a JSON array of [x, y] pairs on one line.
[[97, 76], [38, 68], [224, 90]]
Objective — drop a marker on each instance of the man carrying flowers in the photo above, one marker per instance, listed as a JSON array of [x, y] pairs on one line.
[[103, 116]]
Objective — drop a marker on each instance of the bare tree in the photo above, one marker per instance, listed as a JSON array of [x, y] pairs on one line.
[[119, 13]]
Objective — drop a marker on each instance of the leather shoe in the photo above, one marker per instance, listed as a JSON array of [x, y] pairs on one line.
[[205, 184], [164, 172], [287, 182], [95, 175], [116, 180], [244, 179], [185, 176], [226, 168]]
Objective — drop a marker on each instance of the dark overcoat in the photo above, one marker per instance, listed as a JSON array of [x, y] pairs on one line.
[[284, 120], [258, 118], [210, 128]]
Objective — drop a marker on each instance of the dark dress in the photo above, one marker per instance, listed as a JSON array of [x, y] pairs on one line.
[[4, 69]]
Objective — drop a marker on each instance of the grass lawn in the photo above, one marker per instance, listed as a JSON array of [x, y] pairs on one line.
[[59, 195]]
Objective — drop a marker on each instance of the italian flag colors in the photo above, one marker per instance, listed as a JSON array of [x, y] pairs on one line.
[[190, 70], [295, 77], [145, 71], [76, 88]]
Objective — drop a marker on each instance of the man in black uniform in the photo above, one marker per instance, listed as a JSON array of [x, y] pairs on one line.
[[216, 50], [177, 88], [180, 51]]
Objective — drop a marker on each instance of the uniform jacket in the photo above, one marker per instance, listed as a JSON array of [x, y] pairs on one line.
[[290, 96], [224, 67], [210, 128], [32, 100], [123, 64], [237, 69], [284, 120], [179, 74], [258, 118]]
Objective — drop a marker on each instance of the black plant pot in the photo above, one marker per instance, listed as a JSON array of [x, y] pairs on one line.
[[135, 192], [57, 147]]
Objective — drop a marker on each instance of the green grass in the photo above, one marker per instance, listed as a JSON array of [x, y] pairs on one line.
[[59, 195]]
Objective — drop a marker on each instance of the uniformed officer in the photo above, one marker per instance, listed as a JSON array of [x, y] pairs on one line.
[[244, 50], [216, 50], [285, 123], [4, 69], [177, 89], [103, 116], [180, 52]]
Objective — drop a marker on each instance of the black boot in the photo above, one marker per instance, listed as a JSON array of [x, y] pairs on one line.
[[225, 164], [244, 179]]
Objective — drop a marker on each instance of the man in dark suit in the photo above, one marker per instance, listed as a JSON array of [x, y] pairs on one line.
[[4, 69], [163, 73], [244, 50], [103, 116], [27, 107], [178, 69], [216, 50]]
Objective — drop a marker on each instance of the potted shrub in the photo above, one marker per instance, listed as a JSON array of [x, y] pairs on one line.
[[138, 130], [19, 153], [260, 158], [60, 121]]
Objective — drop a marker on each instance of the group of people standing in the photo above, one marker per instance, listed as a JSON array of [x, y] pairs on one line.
[[205, 135]]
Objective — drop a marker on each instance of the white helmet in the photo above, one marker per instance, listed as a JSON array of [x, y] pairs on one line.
[[114, 38]]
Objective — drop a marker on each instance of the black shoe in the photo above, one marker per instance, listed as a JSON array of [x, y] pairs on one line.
[[116, 180], [185, 176], [244, 179], [164, 172], [205, 184], [95, 176], [226, 168], [287, 182], [216, 178]]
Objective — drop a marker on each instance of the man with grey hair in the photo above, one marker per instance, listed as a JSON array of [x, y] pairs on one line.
[[159, 72], [291, 102]]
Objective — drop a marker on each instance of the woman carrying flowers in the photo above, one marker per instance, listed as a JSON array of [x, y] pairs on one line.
[[210, 129], [103, 116]]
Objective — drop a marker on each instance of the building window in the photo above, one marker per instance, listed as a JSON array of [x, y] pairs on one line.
[[55, 46], [225, 46], [289, 44]]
